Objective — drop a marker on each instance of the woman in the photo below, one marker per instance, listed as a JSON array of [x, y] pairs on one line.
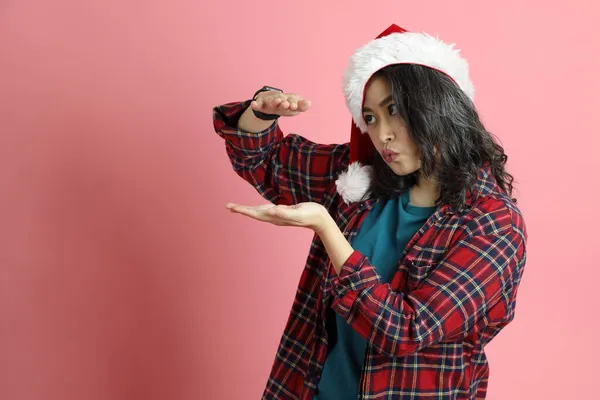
[[419, 247]]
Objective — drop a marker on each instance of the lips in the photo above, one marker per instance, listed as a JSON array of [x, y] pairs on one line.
[[388, 155]]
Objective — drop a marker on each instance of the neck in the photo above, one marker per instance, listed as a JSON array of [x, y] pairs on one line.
[[425, 193]]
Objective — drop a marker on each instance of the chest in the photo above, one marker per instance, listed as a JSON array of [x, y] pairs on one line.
[[421, 251]]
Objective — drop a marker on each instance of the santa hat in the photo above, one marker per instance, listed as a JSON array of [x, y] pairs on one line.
[[395, 45]]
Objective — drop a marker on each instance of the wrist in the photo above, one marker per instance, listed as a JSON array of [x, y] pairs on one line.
[[264, 89], [326, 224], [248, 122], [337, 246], [259, 114]]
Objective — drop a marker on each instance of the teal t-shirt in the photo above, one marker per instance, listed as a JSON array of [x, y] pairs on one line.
[[383, 236]]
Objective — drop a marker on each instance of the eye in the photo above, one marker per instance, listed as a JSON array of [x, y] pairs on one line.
[[369, 119], [392, 109]]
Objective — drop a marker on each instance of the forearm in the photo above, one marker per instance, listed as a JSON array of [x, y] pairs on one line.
[[249, 123], [337, 246], [470, 285]]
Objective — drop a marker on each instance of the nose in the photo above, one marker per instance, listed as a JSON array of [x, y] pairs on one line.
[[386, 134]]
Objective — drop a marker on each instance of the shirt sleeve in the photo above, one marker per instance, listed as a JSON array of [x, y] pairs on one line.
[[475, 283], [284, 170]]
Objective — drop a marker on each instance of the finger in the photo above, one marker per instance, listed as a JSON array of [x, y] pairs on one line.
[[281, 103], [236, 207], [263, 207], [280, 212], [289, 113], [242, 207], [259, 215], [271, 101], [290, 102], [303, 105], [277, 101], [285, 104], [256, 212]]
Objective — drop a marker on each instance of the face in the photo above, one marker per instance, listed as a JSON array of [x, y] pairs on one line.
[[387, 129]]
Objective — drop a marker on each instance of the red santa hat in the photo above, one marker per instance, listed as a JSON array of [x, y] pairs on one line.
[[395, 45]]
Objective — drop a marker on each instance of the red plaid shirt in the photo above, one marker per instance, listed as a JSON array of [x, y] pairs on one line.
[[454, 290]]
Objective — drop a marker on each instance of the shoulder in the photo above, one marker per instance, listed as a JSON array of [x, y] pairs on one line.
[[495, 214]]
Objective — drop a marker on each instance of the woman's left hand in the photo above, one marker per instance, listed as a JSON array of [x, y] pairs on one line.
[[308, 215]]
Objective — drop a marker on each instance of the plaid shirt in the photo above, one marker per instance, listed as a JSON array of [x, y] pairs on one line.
[[454, 290]]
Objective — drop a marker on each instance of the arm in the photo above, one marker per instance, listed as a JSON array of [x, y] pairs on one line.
[[249, 123], [284, 170], [467, 286]]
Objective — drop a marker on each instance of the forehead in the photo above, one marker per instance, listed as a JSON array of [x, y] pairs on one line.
[[377, 89]]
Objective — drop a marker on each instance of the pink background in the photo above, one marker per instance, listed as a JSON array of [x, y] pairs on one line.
[[123, 277]]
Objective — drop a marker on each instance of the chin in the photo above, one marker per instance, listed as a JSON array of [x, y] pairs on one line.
[[400, 171]]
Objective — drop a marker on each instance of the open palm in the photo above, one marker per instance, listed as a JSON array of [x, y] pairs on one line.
[[309, 215]]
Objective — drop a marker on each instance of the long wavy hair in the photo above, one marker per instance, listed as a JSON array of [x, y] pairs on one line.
[[440, 116]]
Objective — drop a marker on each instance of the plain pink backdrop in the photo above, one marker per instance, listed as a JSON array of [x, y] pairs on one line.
[[123, 277]]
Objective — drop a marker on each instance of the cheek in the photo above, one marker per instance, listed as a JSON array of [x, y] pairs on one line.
[[406, 143], [415, 149], [373, 137]]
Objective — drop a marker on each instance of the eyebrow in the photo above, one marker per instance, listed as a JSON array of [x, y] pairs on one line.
[[381, 103]]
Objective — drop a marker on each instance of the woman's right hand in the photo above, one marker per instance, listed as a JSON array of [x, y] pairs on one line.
[[284, 104]]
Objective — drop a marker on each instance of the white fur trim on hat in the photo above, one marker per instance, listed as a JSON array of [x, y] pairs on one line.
[[354, 183], [400, 48]]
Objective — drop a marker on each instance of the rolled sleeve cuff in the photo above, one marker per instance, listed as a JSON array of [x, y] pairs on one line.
[[356, 275], [225, 119]]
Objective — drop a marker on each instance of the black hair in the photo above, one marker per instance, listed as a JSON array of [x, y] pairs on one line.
[[439, 115]]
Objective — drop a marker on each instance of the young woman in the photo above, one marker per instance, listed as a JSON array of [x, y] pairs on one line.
[[419, 246]]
